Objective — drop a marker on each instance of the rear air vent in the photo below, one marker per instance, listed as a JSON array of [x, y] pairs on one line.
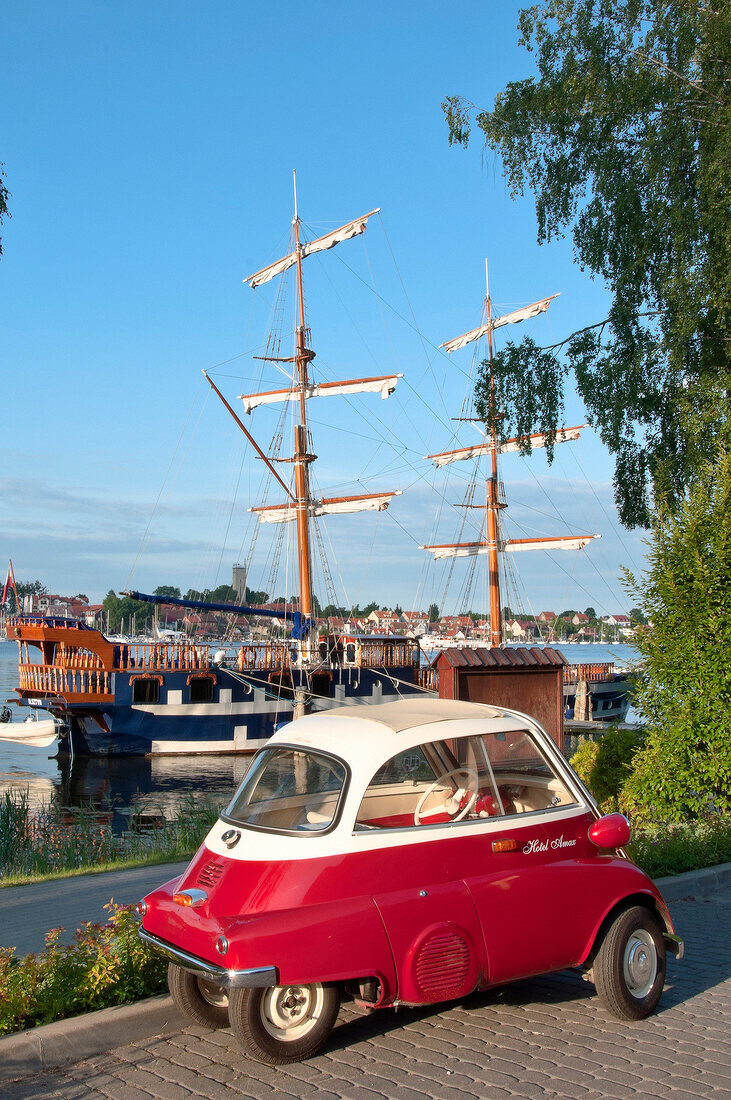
[[210, 874], [443, 966]]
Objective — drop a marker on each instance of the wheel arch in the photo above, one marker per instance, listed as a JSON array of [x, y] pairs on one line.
[[646, 900]]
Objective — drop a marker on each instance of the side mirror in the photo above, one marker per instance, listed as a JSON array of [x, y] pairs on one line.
[[612, 831]]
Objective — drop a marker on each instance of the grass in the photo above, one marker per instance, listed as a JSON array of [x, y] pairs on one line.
[[671, 849], [53, 841]]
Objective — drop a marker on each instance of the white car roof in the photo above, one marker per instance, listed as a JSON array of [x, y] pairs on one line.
[[367, 734]]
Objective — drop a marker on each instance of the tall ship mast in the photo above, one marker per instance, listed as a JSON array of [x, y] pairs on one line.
[[492, 543], [120, 697], [300, 505]]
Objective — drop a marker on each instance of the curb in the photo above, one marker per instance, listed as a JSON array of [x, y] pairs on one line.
[[44, 1048], [695, 884], [51, 1045]]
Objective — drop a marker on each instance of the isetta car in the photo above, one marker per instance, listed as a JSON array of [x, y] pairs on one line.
[[403, 854]]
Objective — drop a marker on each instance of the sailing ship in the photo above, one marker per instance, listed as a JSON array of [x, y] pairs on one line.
[[178, 697], [591, 691]]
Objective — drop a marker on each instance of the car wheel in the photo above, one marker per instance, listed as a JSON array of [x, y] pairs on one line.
[[629, 969], [284, 1023], [203, 1002]]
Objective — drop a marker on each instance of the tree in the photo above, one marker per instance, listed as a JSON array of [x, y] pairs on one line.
[[167, 590], [120, 612], [433, 613], [590, 613], [4, 212], [25, 588], [637, 616], [684, 768], [624, 137]]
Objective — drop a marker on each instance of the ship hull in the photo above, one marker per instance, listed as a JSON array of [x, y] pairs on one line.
[[178, 698]]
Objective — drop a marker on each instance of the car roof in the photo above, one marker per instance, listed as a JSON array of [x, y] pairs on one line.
[[404, 714], [368, 734]]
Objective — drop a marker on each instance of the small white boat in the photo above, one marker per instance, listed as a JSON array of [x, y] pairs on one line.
[[35, 732]]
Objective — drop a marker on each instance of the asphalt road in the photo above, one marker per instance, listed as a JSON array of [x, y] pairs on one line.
[[27, 913], [547, 1037]]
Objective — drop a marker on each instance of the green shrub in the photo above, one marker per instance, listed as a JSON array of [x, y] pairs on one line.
[[605, 765], [671, 849], [106, 965], [684, 768]]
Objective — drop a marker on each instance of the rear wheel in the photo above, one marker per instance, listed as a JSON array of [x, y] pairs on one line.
[[629, 970], [203, 1002], [284, 1023]]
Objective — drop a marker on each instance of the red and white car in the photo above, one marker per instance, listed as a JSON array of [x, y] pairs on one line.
[[403, 853]]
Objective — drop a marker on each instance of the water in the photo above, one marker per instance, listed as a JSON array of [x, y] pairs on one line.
[[157, 784], [153, 785]]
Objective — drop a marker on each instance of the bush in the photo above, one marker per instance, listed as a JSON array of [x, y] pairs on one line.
[[670, 849], [605, 765], [684, 769], [107, 964]]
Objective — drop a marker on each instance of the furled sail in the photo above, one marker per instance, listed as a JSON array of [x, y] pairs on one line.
[[344, 233], [286, 513], [523, 314], [537, 439], [472, 549], [384, 385]]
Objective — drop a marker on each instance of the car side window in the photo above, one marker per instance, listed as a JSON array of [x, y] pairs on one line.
[[462, 779], [437, 783], [525, 779]]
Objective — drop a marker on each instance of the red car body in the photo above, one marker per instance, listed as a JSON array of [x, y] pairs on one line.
[[404, 853]]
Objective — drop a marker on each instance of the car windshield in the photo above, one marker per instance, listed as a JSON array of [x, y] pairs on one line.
[[289, 790]]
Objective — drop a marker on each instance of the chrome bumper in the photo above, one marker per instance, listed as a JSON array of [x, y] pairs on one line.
[[257, 977], [674, 945]]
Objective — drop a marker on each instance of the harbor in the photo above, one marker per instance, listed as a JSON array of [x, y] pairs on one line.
[[152, 784]]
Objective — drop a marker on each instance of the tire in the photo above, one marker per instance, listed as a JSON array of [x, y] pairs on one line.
[[284, 1023], [202, 1002], [629, 969]]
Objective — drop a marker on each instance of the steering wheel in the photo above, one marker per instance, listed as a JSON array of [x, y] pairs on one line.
[[455, 804]]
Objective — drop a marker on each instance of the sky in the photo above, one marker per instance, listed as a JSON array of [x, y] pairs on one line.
[[149, 150]]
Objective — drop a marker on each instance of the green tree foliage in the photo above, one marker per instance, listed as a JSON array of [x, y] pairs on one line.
[[685, 767], [167, 590], [119, 613], [25, 588], [624, 137], [605, 765], [433, 613], [255, 596]]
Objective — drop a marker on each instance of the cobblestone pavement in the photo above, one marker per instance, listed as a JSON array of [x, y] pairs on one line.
[[547, 1037]]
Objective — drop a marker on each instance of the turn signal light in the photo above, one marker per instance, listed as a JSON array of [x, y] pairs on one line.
[[192, 898], [504, 845]]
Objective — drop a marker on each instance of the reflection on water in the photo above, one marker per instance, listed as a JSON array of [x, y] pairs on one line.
[[147, 784]]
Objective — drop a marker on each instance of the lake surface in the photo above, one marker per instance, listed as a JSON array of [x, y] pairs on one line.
[[156, 784]]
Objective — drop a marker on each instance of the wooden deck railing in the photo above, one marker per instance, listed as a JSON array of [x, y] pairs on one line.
[[67, 682], [378, 654], [572, 674]]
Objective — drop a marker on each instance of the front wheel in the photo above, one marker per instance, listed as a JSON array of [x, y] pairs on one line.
[[284, 1023], [629, 970], [203, 1002]]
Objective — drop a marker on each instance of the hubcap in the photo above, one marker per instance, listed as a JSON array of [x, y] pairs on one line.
[[216, 995], [290, 1011], [640, 963]]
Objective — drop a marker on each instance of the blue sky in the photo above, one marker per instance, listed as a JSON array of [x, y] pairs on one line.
[[149, 151]]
